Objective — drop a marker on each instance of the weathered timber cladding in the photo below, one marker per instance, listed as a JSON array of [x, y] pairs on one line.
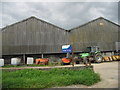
[[34, 36], [94, 34], [0, 43]]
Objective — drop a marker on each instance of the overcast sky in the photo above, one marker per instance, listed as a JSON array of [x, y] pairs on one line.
[[63, 14]]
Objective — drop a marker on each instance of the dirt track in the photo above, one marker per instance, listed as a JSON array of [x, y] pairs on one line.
[[109, 75]]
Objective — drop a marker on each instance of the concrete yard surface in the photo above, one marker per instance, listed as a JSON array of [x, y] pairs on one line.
[[109, 76]]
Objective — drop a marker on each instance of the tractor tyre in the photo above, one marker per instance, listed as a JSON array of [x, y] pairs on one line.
[[98, 58]]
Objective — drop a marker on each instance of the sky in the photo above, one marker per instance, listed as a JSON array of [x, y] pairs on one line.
[[66, 15]]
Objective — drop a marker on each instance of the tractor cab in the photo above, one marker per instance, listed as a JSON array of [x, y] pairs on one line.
[[93, 49]]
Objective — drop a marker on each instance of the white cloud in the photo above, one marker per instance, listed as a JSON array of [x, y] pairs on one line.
[[60, 0], [66, 15]]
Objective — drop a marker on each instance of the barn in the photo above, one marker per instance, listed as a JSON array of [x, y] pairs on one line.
[[99, 32], [32, 37], [35, 37]]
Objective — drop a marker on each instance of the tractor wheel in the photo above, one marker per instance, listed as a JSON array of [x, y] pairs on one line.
[[98, 58]]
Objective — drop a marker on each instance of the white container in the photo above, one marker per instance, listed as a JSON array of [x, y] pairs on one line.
[[1, 62], [30, 60], [15, 61]]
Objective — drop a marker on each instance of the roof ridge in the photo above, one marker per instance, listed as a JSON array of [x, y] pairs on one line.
[[17, 22], [58, 26], [92, 21], [30, 18], [48, 22]]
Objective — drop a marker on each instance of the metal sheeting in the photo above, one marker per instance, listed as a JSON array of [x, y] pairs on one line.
[[33, 37], [0, 43], [94, 34], [117, 46]]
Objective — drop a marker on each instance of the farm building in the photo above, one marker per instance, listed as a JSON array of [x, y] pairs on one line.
[[99, 32], [35, 37]]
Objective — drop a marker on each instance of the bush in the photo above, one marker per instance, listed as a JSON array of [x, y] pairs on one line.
[[32, 78]]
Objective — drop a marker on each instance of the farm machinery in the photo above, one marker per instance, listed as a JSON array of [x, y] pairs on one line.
[[91, 55], [87, 58]]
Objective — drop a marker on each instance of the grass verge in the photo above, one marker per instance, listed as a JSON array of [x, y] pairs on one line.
[[33, 65], [31, 78]]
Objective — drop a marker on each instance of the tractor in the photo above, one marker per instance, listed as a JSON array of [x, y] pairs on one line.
[[92, 55]]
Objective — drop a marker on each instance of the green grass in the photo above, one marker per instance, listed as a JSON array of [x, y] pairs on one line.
[[18, 66], [32, 65], [32, 78]]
